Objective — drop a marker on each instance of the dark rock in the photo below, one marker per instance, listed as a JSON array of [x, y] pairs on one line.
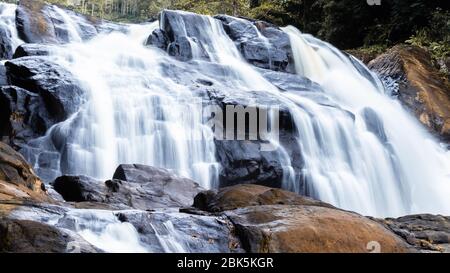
[[157, 187], [23, 115], [134, 186], [419, 86], [248, 161], [181, 49], [61, 93], [244, 162], [80, 189], [180, 232], [26, 50], [260, 43], [311, 229], [424, 231], [159, 39], [242, 196], [5, 44]]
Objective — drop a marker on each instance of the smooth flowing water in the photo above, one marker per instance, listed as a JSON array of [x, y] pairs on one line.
[[367, 155]]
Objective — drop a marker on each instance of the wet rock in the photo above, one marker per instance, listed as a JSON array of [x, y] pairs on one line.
[[38, 22], [290, 82], [134, 186], [6, 50], [24, 236], [26, 50], [255, 161], [420, 88], [23, 116], [159, 39], [18, 182], [311, 229], [261, 44], [426, 232], [16, 171], [179, 232], [242, 196], [80, 189], [245, 162], [58, 88], [159, 186]]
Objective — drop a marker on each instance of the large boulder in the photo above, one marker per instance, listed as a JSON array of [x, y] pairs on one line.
[[299, 229], [157, 187], [58, 88], [427, 233], [27, 50], [242, 196], [80, 189], [133, 186], [417, 85]]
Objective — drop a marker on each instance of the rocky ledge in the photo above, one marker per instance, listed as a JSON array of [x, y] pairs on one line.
[[169, 213]]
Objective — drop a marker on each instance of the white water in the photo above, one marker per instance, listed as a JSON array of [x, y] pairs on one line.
[[367, 155], [8, 22], [403, 172]]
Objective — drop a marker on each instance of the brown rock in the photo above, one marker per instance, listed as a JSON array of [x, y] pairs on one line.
[[421, 89], [22, 236], [300, 229], [247, 195], [17, 179]]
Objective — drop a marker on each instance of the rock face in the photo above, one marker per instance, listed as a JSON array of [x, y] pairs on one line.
[[428, 233], [16, 177], [420, 88], [183, 35], [133, 186], [59, 90], [3, 78], [23, 115], [271, 49]]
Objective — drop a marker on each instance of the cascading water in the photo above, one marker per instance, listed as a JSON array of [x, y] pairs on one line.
[[367, 155], [8, 23]]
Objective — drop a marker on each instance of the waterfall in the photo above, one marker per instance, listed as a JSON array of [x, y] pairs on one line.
[[8, 23], [362, 152], [383, 163]]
